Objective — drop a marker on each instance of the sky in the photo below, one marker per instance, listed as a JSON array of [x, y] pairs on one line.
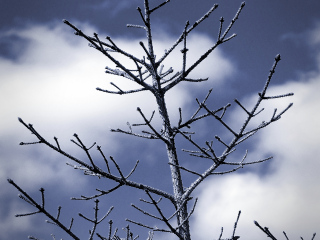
[[48, 77]]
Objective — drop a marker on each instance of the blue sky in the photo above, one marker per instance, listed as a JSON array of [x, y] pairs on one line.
[[48, 77]]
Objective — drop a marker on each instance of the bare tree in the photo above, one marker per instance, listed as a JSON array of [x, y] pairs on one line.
[[150, 74]]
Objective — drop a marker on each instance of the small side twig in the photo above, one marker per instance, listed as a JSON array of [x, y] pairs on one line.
[[235, 226], [265, 230], [41, 209], [95, 221]]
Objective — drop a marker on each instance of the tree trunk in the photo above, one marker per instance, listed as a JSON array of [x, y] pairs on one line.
[[175, 170]]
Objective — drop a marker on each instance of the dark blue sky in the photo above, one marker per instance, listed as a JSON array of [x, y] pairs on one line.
[[48, 77], [266, 26]]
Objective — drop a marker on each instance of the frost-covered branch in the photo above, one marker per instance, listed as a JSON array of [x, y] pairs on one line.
[[93, 169], [239, 136], [41, 209], [223, 39]]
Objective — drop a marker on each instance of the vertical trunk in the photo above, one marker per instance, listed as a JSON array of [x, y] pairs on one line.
[[168, 135], [175, 170]]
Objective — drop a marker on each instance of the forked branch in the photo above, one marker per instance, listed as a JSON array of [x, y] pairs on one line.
[[239, 136], [41, 209], [95, 170]]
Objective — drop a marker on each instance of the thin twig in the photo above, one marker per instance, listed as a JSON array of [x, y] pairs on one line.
[[235, 225], [44, 211]]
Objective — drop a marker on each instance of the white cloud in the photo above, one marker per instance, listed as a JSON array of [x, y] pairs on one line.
[[53, 82], [286, 198]]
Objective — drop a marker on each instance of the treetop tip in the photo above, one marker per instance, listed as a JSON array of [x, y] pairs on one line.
[[278, 57], [10, 180]]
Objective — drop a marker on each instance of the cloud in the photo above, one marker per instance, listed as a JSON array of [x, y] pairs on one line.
[[286, 196], [314, 34], [55, 77], [116, 6], [310, 37], [51, 83]]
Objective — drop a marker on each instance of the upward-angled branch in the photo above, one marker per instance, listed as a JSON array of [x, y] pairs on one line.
[[41, 209], [95, 170], [109, 56], [270, 235], [237, 136], [207, 53], [180, 39]]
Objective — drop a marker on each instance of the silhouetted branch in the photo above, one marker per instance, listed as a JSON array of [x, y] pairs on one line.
[[231, 24], [235, 226], [270, 235], [164, 219], [185, 169], [193, 117], [95, 221], [41, 209], [159, 6], [265, 230], [206, 54], [96, 170], [148, 123], [238, 137], [180, 39]]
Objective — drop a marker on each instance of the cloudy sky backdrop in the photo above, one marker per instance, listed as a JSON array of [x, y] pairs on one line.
[[48, 78]]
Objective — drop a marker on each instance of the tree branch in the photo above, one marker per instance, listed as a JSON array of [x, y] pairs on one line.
[[41, 209], [97, 170]]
